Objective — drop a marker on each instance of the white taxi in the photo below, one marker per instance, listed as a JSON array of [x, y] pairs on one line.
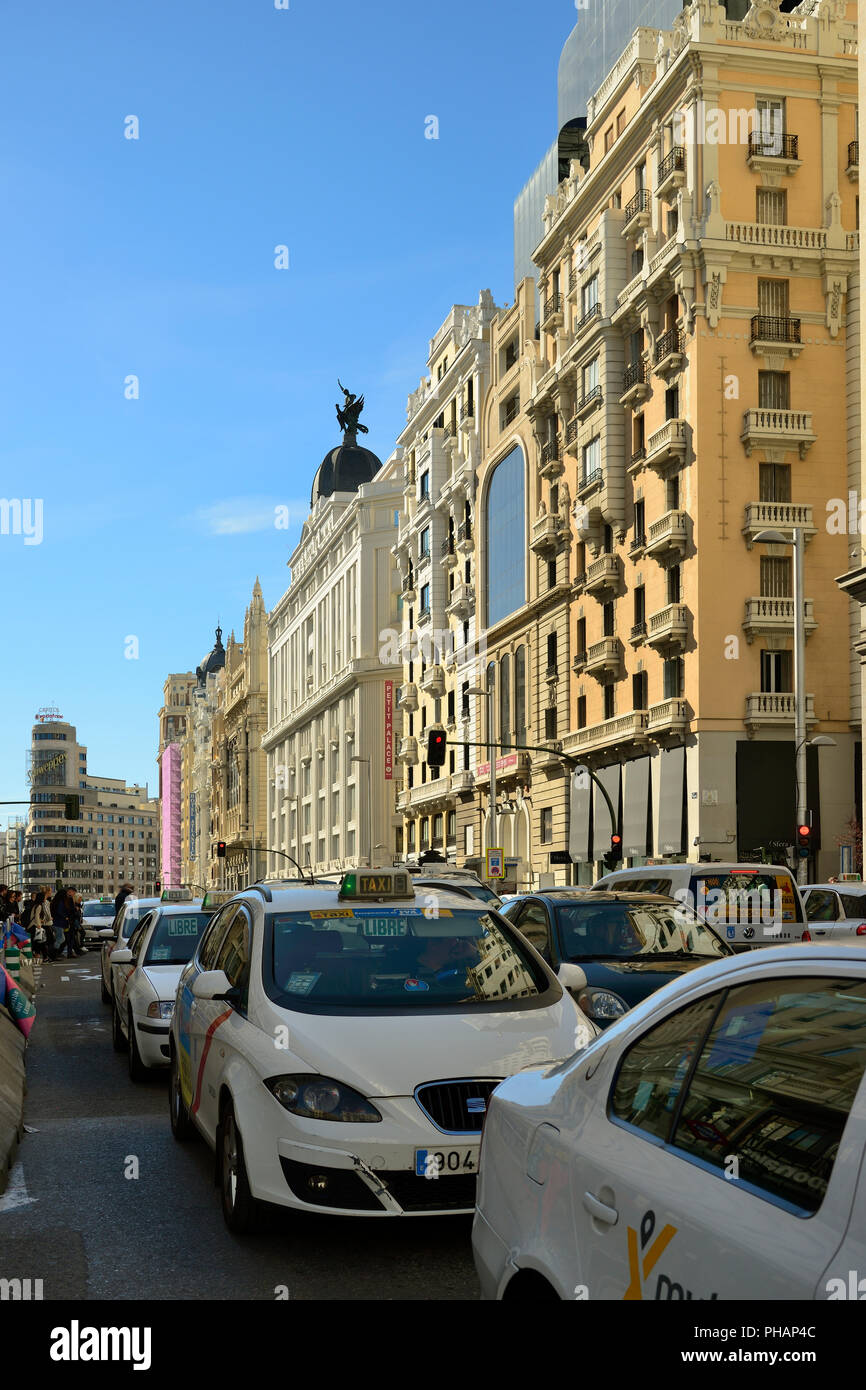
[[145, 973], [706, 1146], [337, 1044], [116, 936]]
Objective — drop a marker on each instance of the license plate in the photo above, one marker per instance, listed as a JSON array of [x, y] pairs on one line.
[[439, 1163]]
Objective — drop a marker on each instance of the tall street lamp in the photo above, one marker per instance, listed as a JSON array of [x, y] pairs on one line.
[[488, 695], [773, 537], [369, 807]]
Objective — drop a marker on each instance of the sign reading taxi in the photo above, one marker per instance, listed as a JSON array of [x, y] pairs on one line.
[[374, 885], [494, 862]]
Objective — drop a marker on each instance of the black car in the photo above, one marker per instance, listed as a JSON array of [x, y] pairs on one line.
[[627, 945]]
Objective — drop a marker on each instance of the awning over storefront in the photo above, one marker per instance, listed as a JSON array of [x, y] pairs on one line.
[[578, 833], [636, 808], [672, 784], [601, 826]]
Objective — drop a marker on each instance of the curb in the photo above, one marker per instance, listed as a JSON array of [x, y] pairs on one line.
[[12, 1089]]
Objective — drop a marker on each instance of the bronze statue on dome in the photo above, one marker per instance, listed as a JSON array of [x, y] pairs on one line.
[[348, 414]]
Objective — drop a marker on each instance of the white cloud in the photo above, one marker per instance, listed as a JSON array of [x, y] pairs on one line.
[[237, 516]]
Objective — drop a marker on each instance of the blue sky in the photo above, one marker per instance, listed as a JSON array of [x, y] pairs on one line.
[[155, 258]]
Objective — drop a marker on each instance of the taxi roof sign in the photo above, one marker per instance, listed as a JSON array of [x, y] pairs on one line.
[[215, 897], [376, 885], [176, 895]]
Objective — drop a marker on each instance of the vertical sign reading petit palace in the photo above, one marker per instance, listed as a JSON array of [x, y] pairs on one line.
[[389, 731]]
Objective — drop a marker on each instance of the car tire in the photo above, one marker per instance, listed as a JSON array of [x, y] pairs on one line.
[[182, 1126], [118, 1041], [241, 1211], [106, 997], [137, 1070]]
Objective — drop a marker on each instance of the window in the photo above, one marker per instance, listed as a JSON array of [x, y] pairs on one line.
[[505, 700], [608, 138], [773, 298], [607, 540], [469, 839], [639, 605], [638, 436], [780, 1069], [620, 122], [511, 409], [672, 403], [771, 123], [425, 833], [673, 678], [547, 825], [581, 711], [590, 376], [511, 352], [551, 574], [772, 207], [505, 521], [639, 685], [774, 390], [424, 542], [425, 598], [424, 490], [609, 701], [551, 652], [609, 617], [410, 836], [581, 636], [589, 295], [775, 576], [437, 828], [774, 482], [639, 523], [674, 586], [451, 826], [776, 673], [649, 1083], [672, 493], [591, 460], [550, 722]]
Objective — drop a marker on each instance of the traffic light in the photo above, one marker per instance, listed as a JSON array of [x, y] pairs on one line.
[[158, 884], [221, 849], [72, 806], [614, 854], [804, 841], [436, 748]]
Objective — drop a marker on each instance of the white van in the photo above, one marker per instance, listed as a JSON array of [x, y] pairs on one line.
[[747, 904]]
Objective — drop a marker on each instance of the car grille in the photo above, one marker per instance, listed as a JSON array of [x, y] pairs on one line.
[[414, 1193], [449, 1104], [348, 1190]]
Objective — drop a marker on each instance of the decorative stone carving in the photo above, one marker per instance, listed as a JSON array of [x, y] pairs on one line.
[[835, 288], [714, 279], [764, 21]]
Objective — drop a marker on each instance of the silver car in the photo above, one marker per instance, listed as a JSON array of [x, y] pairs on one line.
[[835, 913]]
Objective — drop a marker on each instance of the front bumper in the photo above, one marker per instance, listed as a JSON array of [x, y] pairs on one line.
[[491, 1257], [151, 1035]]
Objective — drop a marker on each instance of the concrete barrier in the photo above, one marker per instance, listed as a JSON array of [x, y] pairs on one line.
[[12, 1086]]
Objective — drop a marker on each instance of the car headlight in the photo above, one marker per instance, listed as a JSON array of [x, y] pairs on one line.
[[601, 1003], [321, 1098], [160, 1009]]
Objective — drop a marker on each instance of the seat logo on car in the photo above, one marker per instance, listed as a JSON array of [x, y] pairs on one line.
[[476, 1105]]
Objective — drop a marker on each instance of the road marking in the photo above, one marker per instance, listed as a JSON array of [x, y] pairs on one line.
[[64, 977], [16, 1194]]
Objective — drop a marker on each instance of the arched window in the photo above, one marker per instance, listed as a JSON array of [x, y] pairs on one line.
[[520, 695], [505, 538], [505, 700]]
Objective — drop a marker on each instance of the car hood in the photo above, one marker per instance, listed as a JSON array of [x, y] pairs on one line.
[[384, 1055], [633, 980], [164, 979]]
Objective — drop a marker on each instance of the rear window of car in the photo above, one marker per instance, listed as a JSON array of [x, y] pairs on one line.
[[175, 938], [745, 895], [98, 910], [853, 904]]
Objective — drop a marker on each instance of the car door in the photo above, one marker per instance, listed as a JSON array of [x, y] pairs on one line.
[[533, 921], [194, 1016], [823, 911], [708, 1168], [218, 1021], [122, 974], [851, 928]]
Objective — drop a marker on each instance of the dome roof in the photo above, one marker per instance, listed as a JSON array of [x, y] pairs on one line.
[[344, 469], [215, 659]]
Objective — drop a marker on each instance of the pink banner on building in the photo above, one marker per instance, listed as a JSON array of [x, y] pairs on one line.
[[502, 764], [389, 731]]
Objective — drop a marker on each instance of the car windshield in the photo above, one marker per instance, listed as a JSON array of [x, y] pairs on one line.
[[380, 958], [630, 930], [175, 937], [98, 910]]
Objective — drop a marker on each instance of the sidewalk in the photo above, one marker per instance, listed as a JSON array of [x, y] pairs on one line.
[[12, 1089]]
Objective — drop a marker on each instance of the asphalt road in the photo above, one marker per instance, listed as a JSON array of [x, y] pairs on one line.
[[72, 1218]]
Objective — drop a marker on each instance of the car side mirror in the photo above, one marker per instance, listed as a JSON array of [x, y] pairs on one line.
[[122, 957], [213, 984], [571, 977], [107, 933]]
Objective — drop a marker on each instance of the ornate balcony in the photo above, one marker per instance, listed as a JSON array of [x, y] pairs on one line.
[[571, 432], [625, 728], [766, 709], [591, 401], [670, 352], [772, 334], [668, 627], [637, 636], [589, 481], [548, 759], [593, 312], [765, 616], [604, 656], [461, 600], [465, 543], [668, 534], [668, 717], [448, 553], [551, 459], [462, 782], [407, 696], [548, 534], [767, 428], [408, 751], [637, 460], [770, 152], [671, 172], [853, 170], [579, 663], [602, 574], [778, 516], [409, 590], [667, 447], [635, 384], [552, 313], [433, 681], [637, 213]]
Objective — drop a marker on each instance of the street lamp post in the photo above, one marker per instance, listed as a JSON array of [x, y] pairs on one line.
[[369, 807], [491, 754]]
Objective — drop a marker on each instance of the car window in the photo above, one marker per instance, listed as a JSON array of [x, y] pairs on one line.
[[175, 937], [774, 1083], [234, 954], [745, 895], [214, 936], [533, 922], [592, 928], [651, 1074], [853, 905], [821, 906], [138, 934]]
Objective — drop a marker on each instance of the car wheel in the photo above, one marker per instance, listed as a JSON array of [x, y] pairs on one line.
[[240, 1208], [118, 1041], [182, 1126], [137, 1070]]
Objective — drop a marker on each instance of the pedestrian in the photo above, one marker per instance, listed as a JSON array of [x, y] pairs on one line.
[[71, 928], [126, 891], [59, 919], [4, 901], [40, 925]]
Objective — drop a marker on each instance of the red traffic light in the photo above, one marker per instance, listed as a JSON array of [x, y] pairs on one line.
[[221, 849], [615, 841], [436, 748], [804, 830]]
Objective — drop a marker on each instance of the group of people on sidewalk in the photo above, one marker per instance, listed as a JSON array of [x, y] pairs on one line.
[[53, 924]]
